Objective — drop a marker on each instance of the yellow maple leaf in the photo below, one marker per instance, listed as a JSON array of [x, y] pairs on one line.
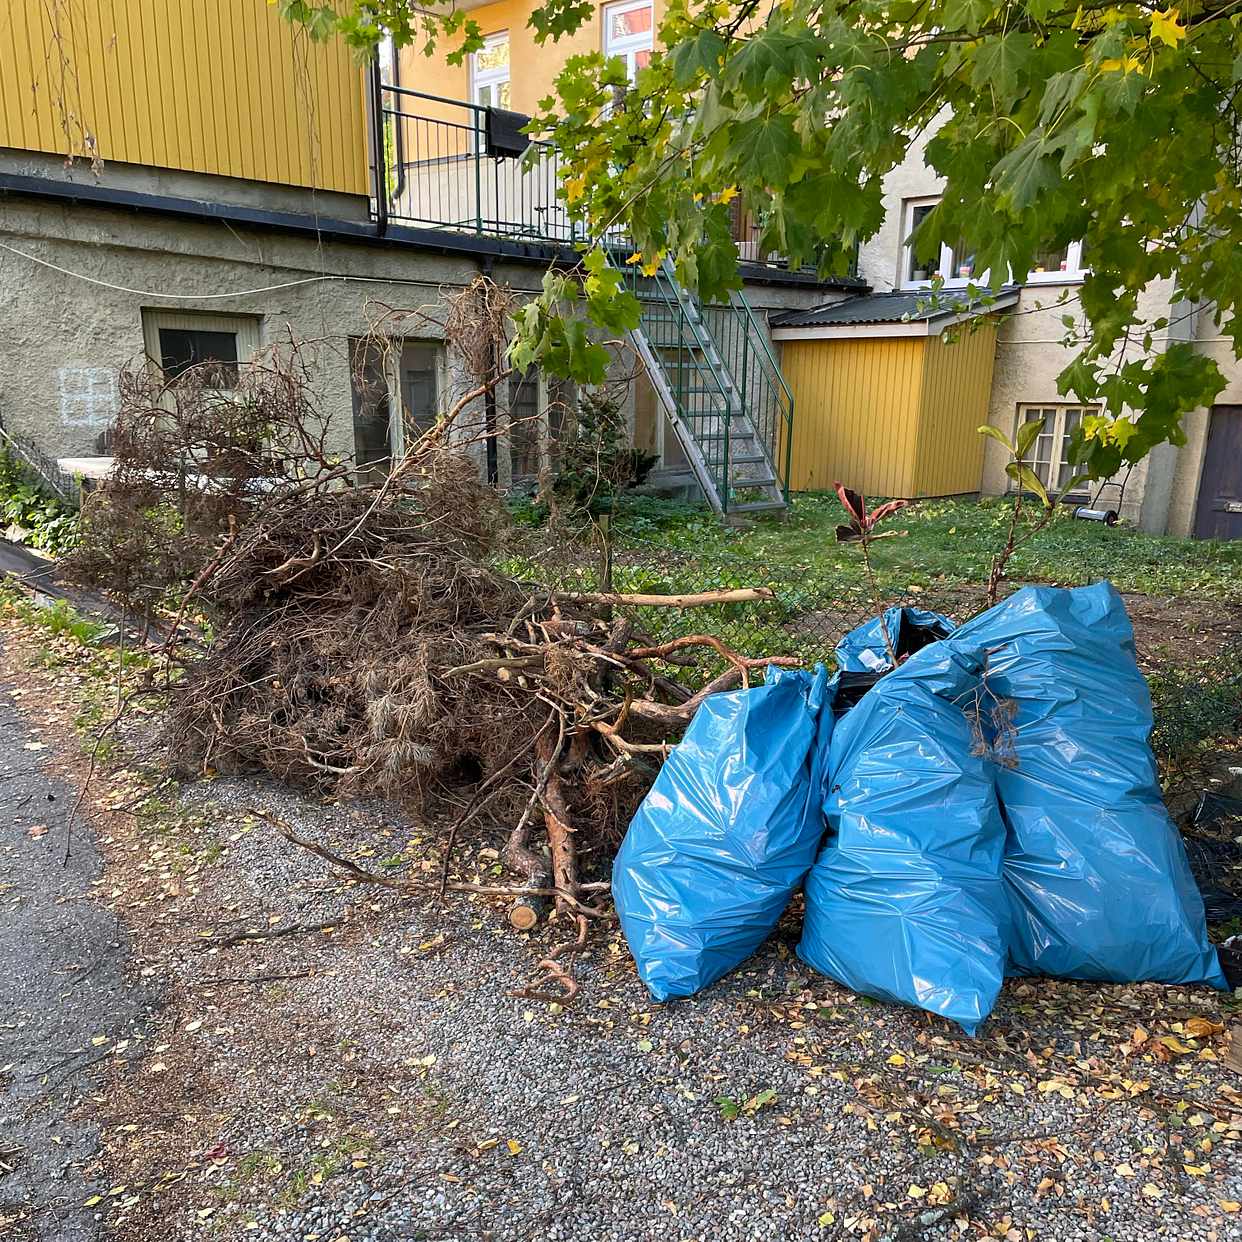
[[514, 1147], [636, 257], [653, 264], [727, 195], [575, 187], [1165, 27]]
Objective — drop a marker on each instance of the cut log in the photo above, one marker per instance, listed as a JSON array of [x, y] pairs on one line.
[[527, 912]]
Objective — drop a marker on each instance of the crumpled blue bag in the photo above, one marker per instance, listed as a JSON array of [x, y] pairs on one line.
[[1099, 880], [909, 629], [906, 901], [726, 834]]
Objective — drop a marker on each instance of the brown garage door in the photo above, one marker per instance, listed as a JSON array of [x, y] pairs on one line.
[[1219, 515]]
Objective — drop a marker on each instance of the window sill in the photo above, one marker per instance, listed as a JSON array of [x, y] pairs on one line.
[[1053, 278]]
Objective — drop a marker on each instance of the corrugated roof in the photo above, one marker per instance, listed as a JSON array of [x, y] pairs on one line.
[[900, 307]]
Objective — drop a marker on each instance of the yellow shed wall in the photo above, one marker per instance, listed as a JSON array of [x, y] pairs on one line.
[[856, 412], [532, 68], [957, 386], [213, 86]]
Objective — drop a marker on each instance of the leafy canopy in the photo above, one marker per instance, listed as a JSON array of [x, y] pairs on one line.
[[1113, 124]]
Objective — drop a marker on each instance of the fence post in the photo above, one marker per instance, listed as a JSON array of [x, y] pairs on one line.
[[379, 159], [480, 145]]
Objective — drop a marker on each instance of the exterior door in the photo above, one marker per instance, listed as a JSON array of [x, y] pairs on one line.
[[1219, 514]]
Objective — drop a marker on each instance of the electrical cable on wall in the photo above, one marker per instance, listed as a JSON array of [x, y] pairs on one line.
[[240, 293]]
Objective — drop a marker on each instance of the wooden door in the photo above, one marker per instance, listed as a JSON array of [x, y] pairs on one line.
[[1219, 512]]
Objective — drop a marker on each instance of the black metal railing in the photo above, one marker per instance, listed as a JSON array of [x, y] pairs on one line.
[[442, 169], [439, 166]]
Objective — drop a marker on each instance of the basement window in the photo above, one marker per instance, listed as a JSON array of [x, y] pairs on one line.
[[182, 341], [390, 376], [1049, 457]]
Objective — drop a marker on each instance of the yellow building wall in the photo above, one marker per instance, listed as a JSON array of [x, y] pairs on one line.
[[211, 86], [957, 385], [890, 416], [856, 405], [532, 69]]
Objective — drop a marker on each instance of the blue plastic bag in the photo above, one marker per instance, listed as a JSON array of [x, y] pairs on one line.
[[726, 834], [909, 630], [906, 902], [1099, 880]]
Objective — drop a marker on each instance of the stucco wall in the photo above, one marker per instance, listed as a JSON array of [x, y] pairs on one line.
[[65, 338]]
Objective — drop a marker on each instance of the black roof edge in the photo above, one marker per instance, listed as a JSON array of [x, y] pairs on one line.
[[439, 241]]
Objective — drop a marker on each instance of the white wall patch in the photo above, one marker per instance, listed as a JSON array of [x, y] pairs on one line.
[[88, 397]]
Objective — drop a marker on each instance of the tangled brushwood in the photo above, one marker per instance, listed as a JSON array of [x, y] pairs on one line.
[[359, 641]]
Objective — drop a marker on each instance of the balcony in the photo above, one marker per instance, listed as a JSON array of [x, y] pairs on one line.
[[448, 164]]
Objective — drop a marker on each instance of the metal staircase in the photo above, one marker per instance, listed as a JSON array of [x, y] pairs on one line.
[[725, 397]]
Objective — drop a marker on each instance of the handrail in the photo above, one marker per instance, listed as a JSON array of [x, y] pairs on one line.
[[760, 338], [664, 308]]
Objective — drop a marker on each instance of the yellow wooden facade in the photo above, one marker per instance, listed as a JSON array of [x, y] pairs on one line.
[[891, 416], [209, 86]]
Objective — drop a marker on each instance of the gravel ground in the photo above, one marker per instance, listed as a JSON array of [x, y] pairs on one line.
[[377, 1079]]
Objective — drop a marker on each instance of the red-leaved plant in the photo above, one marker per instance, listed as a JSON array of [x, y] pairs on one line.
[[861, 529]]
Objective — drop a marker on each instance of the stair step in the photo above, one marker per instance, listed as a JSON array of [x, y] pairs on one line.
[[758, 506], [760, 480], [747, 459]]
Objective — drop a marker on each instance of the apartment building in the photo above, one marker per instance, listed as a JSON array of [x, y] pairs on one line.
[[180, 186], [883, 400], [184, 185]]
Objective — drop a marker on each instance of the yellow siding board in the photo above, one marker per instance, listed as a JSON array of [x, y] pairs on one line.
[[957, 386], [220, 86], [856, 412], [890, 416]]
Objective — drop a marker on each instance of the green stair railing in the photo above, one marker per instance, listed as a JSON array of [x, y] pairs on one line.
[[746, 351], [685, 360], [732, 401]]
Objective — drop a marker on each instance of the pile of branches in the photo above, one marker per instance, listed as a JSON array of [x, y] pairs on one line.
[[359, 641]]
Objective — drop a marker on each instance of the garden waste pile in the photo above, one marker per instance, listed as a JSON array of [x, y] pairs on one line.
[[989, 807]]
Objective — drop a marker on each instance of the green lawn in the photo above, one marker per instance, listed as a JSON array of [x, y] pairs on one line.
[[949, 543]]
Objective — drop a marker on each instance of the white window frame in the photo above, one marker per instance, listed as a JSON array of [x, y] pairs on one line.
[[947, 261], [628, 46], [244, 327], [1072, 271], [490, 78], [1059, 442]]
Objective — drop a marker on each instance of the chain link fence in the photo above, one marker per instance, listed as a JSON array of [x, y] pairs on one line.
[[1196, 702]]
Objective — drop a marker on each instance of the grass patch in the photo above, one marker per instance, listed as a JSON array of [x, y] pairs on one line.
[[949, 543]]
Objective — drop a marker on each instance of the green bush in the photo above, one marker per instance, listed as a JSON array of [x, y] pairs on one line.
[[49, 524]]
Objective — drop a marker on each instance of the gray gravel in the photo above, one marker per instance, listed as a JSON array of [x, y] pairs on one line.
[[400, 1091], [378, 1080]]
